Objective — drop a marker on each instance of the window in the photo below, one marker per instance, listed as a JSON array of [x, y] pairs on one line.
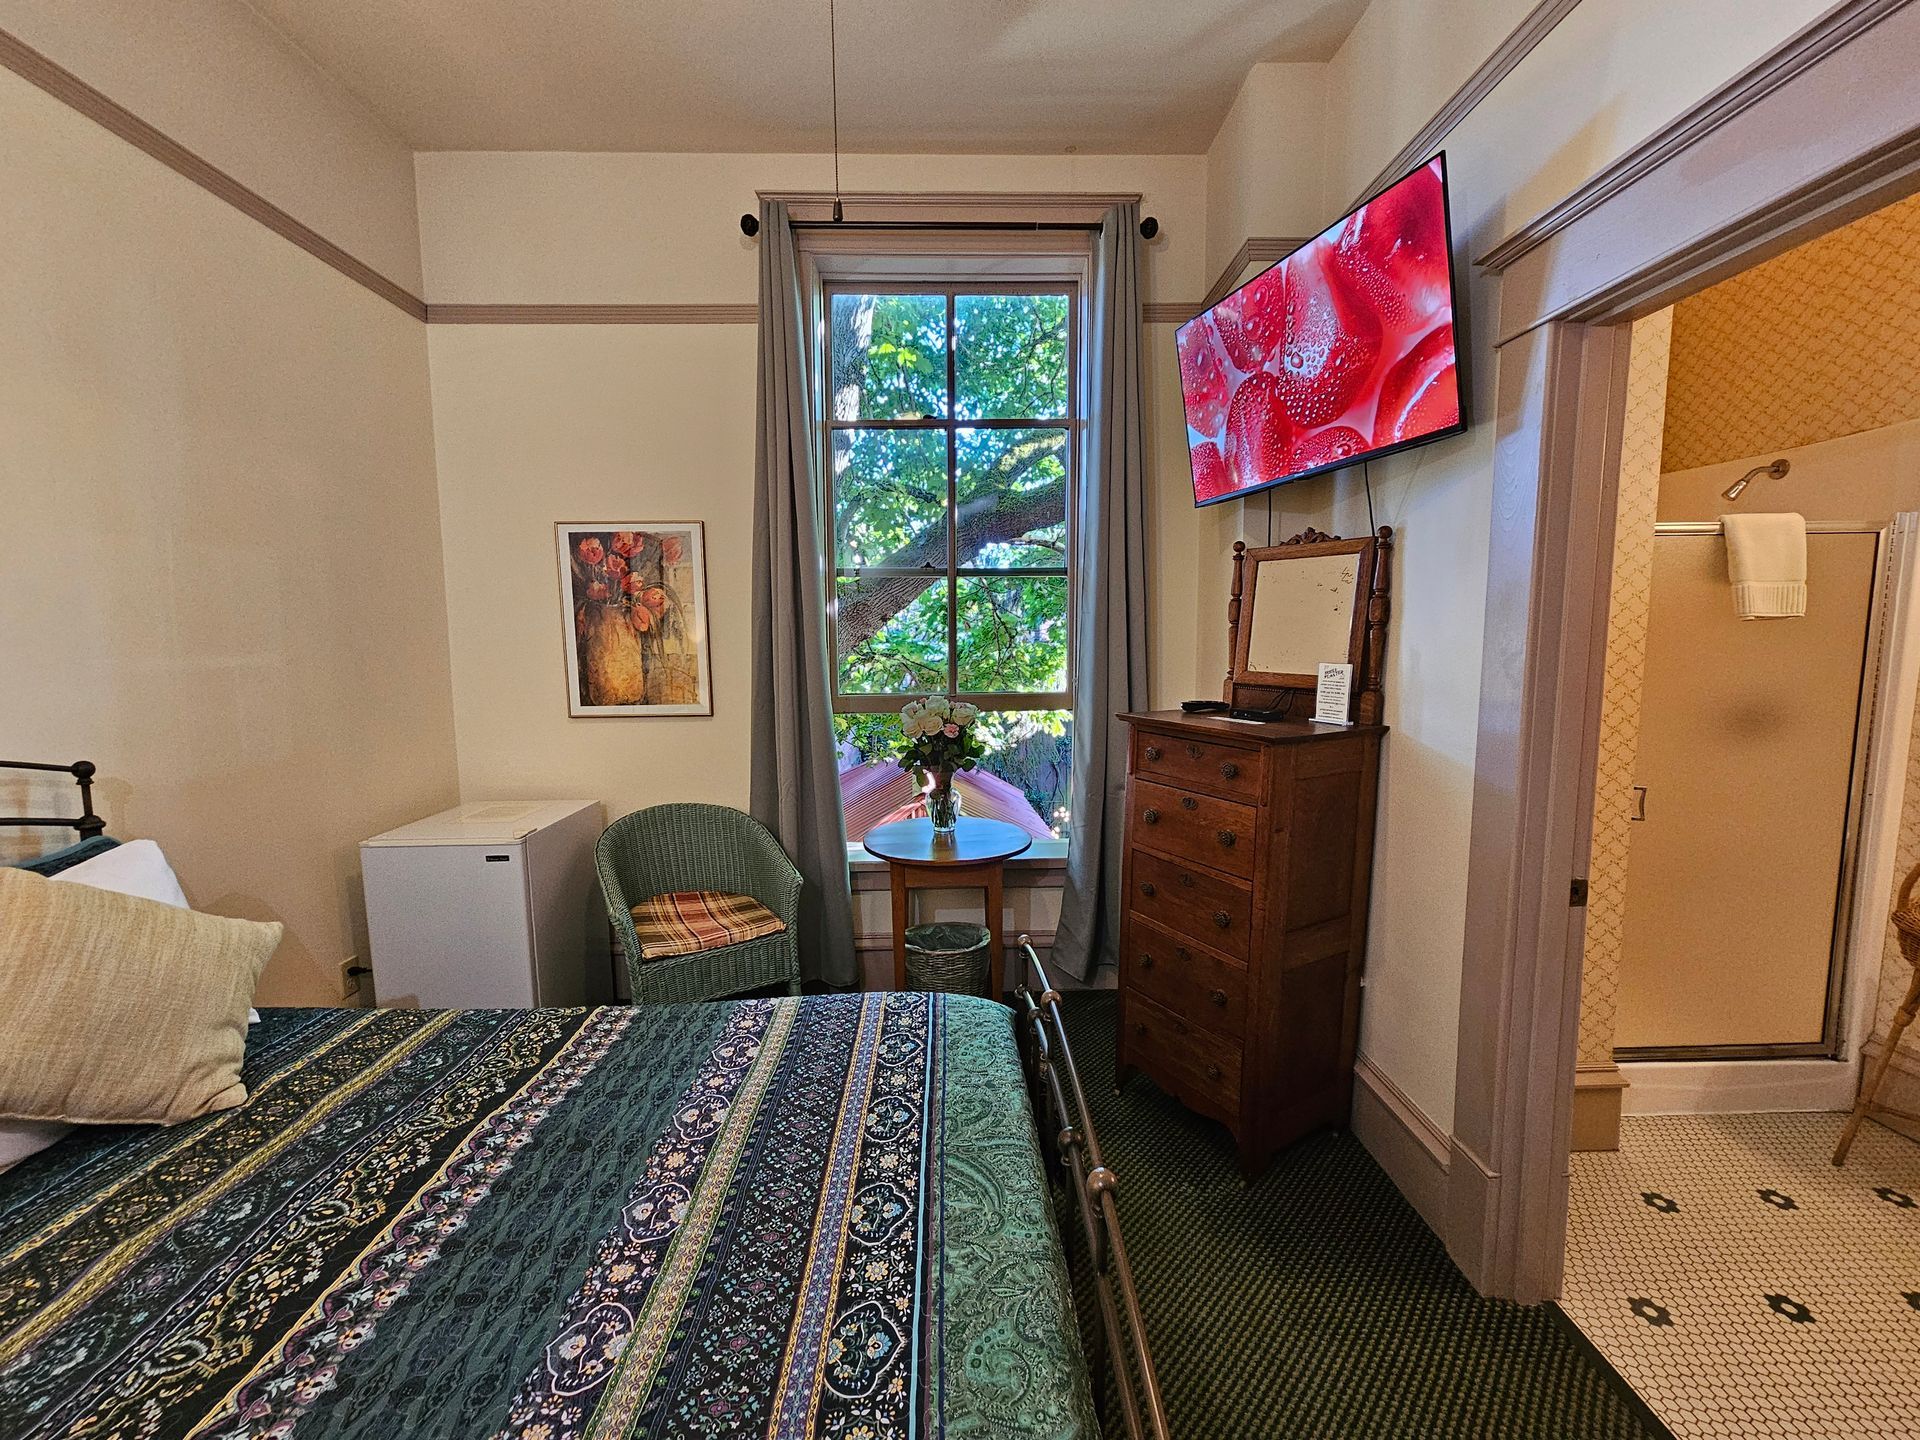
[[951, 436]]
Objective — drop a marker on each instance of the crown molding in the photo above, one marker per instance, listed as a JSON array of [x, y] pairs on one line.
[[63, 85]]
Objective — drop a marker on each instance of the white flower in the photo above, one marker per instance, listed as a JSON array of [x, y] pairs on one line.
[[939, 705], [966, 714]]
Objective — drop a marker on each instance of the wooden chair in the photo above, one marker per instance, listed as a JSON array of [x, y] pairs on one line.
[[1906, 924]]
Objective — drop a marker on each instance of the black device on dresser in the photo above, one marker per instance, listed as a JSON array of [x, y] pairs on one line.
[[1249, 857]]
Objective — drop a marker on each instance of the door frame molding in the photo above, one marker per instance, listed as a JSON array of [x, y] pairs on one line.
[[1822, 130]]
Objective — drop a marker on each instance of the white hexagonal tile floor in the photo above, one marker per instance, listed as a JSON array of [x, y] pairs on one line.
[[1743, 1285]]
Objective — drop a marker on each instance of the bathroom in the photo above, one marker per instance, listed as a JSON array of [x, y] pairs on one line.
[[1755, 811]]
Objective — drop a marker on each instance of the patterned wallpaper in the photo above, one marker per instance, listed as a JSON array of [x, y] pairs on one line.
[[1620, 703], [1819, 342]]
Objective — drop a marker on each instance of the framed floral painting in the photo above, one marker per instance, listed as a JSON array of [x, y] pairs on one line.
[[635, 601]]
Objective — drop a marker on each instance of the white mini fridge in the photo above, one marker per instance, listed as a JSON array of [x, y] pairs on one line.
[[489, 905]]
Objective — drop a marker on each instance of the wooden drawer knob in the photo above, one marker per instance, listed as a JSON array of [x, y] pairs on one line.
[[1146, 961], [1226, 838], [1222, 919], [1148, 889], [1138, 1028], [1218, 997], [1229, 770], [1183, 952], [1187, 802], [1193, 752], [1213, 1072], [1150, 815], [1153, 752]]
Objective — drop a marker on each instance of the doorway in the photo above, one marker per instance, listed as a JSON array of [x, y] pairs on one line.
[[1719, 1229]]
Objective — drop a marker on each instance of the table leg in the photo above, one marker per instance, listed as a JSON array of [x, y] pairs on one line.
[[995, 939], [899, 875]]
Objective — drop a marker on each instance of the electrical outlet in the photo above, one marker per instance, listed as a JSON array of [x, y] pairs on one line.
[[350, 978]]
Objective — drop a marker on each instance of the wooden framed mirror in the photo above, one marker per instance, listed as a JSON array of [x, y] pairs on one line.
[[1315, 599]]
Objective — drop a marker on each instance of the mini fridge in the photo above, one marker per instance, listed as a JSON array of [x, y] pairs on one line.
[[489, 905]]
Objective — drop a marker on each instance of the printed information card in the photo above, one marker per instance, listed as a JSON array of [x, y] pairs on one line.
[[1334, 697]]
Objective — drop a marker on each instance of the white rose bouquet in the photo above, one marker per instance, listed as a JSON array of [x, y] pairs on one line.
[[941, 738]]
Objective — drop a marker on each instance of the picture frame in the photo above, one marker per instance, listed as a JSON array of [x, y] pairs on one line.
[[633, 605]]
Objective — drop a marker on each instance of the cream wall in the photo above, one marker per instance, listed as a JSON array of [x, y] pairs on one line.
[[220, 544], [217, 78], [535, 424], [1265, 167], [1611, 73]]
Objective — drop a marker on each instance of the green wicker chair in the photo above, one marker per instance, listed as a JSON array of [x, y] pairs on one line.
[[668, 848]]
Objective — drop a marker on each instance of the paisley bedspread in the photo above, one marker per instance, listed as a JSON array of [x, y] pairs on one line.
[[786, 1218]]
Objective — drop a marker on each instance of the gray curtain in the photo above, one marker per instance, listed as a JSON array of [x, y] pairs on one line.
[[1110, 617], [795, 770]]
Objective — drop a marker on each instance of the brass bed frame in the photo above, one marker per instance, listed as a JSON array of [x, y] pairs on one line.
[[1076, 1161]]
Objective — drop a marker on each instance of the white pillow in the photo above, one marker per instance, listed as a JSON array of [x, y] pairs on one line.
[[134, 867]]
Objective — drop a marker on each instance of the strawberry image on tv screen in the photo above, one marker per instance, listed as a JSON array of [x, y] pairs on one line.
[[1340, 352]]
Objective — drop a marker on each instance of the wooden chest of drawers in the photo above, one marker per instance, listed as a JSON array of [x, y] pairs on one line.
[[1249, 850]]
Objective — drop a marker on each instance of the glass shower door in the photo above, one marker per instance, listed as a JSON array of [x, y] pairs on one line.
[[1745, 764]]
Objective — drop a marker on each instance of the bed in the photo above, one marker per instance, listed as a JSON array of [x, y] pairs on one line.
[[828, 1216]]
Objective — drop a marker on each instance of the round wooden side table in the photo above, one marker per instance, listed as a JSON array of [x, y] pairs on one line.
[[969, 859]]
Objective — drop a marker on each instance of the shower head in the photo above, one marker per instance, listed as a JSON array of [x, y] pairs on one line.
[[1776, 470]]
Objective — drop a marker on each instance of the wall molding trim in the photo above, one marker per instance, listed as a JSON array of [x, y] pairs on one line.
[[1802, 51], [437, 314], [63, 85], [1260, 250], [1415, 1152], [1048, 207], [1537, 24]]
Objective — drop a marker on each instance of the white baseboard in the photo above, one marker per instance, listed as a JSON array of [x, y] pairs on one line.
[[1732, 1087], [1413, 1151]]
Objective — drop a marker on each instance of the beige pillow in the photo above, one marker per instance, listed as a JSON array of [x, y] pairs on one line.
[[119, 1010]]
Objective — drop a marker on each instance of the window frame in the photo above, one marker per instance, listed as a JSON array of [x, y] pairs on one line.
[[951, 276]]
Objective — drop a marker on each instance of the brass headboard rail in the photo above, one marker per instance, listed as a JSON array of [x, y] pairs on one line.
[[1093, 1184]]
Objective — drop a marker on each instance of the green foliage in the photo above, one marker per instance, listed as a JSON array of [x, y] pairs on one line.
[[901, 517]]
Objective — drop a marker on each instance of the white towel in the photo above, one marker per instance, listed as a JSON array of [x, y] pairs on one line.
[[1767, 562]]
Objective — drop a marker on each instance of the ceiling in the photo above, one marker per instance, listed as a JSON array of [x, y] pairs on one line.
[[993, 76]]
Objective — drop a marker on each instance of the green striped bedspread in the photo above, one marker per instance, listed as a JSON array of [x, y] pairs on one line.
[[817, 1217]]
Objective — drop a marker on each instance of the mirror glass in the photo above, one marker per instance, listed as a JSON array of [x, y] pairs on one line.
[[1303, 614]]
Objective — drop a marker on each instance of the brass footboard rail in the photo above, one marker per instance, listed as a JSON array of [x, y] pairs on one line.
[[1076, 1150]]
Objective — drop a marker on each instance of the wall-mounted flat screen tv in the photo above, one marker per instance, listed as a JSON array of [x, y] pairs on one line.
[[1339, 353]]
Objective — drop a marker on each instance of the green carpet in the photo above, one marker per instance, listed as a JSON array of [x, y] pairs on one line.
[[1315, 1303]]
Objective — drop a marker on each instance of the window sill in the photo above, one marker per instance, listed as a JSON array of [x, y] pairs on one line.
[[1043, 866]]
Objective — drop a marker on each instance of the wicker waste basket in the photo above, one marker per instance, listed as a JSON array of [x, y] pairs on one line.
[[953, 958]]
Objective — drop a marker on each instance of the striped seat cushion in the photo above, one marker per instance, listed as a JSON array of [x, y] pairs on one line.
[[690, 920]]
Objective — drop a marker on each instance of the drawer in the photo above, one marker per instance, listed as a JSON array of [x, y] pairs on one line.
[[1185, 977], [1191, 901], [1199, 1068], [1195, 827], [1199, 764]]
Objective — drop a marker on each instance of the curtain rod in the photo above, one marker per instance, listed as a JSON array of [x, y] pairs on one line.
[[750, 225]]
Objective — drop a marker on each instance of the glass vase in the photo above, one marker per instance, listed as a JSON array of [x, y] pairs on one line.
[[943, 807]]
